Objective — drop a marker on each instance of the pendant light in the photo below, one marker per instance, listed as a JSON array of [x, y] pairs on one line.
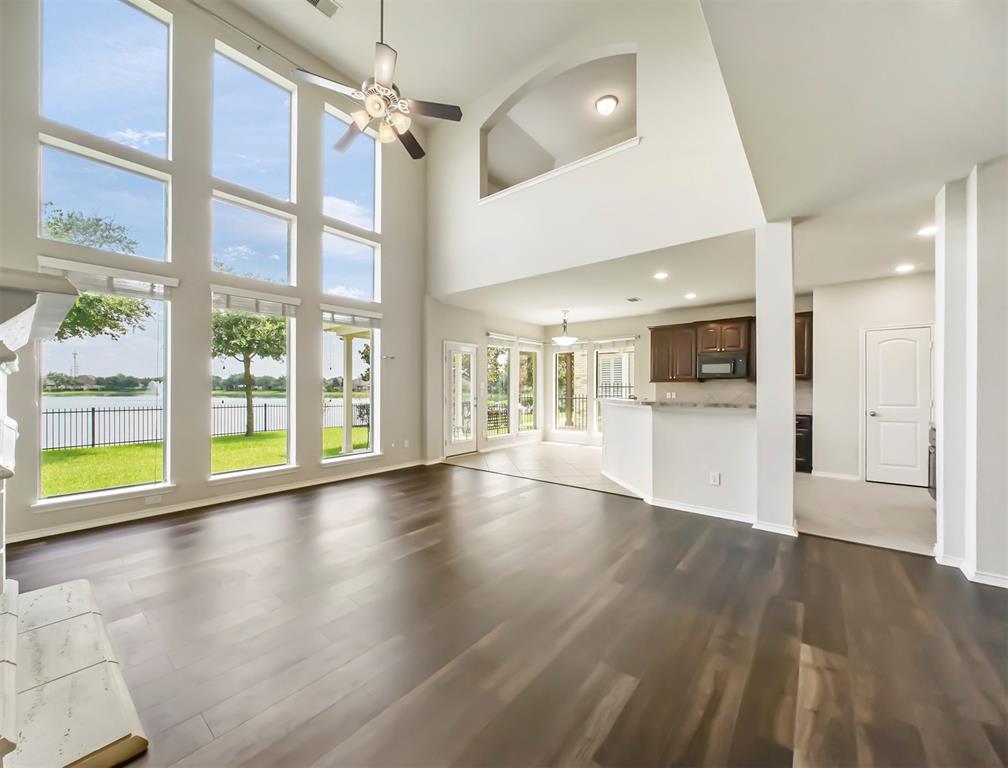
[[563, 340]]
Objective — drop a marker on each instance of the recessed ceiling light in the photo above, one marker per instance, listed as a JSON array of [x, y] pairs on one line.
[[660, 275], [927, 231], [690, 296], [905, 268], [606, 105]]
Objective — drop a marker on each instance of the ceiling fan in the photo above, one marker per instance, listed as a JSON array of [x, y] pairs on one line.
[[382, 101]]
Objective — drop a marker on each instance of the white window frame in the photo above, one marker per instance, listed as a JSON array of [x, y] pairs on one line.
[[375, 246], [252, 205], [257, 68], [84, 497], [339, 224], [537, 349]]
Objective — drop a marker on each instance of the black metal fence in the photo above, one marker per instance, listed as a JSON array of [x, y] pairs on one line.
[[498, 418], [572, 412], [132, 425], [621, 391], [463, 430], [526, 413]]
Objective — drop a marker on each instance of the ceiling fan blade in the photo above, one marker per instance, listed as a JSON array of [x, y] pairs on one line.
[[323, 82], [384, 64], [433, 109], [412, 145], [351, 133]]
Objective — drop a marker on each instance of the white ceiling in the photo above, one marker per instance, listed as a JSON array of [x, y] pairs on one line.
[[560, 115], [839, 101], [449, 50]]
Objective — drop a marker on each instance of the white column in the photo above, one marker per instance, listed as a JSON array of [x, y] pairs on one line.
[[775, 402], [986, 373], [950, 371], [347, 394]]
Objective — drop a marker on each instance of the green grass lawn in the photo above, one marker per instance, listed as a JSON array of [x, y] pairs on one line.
[[96, 392], [77, 470], [255, 393]]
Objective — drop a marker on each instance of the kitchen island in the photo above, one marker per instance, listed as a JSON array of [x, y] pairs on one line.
[[695, 457]]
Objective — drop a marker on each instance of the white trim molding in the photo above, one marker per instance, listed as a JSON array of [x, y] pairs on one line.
[[782, 530], [836, 475]]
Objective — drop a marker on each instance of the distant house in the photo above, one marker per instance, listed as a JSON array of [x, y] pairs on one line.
[[87, 381]]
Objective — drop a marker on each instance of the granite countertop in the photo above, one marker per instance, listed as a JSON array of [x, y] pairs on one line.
[[679, 404]]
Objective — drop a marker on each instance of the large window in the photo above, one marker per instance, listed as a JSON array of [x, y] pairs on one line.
[[105, 70], [250, 394], [572, 390], [349, 177], [348, 404], [251, 242], [251, 126], [527, 377], [349, 267], [498, 390], [614, 376], [102, 205], [103, 396]]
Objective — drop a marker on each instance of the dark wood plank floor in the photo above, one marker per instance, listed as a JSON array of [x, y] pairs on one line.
[[442, 616]]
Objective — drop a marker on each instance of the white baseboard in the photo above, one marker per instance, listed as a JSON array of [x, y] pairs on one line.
[[783, 530], [990, 579], [835, 475], [696, 509], [125, 517], [952, 562], [432, 462]]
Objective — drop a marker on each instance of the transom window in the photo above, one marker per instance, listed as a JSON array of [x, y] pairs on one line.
[[105, 70]]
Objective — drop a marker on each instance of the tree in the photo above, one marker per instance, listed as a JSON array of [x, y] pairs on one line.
[[245, 337], [92, 231], [365, 355], [99, 314]]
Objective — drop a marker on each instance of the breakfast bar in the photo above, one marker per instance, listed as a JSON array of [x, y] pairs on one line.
[[694, 457]]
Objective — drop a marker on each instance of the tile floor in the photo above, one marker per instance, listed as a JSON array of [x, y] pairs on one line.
[[577, 465], [891, 516]]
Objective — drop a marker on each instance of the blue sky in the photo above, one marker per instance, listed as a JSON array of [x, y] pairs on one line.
[[105, 71], [252, 129], [75, 183], [347, 267], [138, 353], [250, 243], [348, 185]]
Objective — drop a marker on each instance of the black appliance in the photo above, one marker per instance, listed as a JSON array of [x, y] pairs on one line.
[[803, 442], [932, 464], [722, 365]]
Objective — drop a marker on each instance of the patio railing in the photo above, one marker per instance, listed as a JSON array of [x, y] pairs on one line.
[[572, 413], [130, 425]]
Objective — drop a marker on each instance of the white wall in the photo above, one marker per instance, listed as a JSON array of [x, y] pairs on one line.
[[442, 323], [688, 179], [841, 314], [404, 184]]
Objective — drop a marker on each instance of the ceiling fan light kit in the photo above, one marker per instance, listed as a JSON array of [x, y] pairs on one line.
[[382, 101]]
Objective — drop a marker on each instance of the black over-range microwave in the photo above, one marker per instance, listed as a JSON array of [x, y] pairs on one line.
[[722, 365]]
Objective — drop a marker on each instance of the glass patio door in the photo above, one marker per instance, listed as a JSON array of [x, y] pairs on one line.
[[460, 398]]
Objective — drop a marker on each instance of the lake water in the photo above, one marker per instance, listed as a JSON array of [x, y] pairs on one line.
[[68, 421]]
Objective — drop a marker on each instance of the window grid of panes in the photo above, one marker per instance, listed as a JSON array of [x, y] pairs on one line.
[[105, 181]]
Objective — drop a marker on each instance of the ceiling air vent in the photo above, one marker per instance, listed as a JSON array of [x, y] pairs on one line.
[[633, 299], [328, 7]]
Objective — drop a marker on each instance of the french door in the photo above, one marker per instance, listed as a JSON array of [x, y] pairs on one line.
[[460, 412]]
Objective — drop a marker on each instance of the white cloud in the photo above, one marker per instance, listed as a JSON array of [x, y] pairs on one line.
[[348, 211], [342, 290], [136, 139], [240, 251]]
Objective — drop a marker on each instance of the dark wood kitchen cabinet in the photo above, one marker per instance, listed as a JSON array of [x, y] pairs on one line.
[[803, 345], [724, 335], [673, 353]]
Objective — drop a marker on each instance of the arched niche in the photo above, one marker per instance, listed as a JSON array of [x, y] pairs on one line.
[[552, 120]]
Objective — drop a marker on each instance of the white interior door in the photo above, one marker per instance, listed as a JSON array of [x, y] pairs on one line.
[[897, 405], [460, 398]]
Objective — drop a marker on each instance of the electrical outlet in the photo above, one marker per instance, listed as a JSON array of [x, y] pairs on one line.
[[715, 478], [405, 443], [393, 445], [670, 395]]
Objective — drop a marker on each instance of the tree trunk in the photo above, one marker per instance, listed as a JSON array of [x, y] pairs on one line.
[[249, 414]]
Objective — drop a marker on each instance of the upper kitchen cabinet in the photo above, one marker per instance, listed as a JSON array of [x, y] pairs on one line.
[[724, 335], [673, 353], [803, 345]]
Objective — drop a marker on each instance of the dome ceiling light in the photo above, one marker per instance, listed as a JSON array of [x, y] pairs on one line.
[[563, 340], [606, 105], [382, 101]]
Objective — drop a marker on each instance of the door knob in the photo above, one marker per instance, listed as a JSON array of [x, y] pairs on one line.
[[872, 413]]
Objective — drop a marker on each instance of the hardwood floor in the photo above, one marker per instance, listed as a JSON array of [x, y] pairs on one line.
[[439, 616]]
